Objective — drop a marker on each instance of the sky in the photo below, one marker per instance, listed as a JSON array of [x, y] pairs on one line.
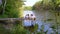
[[30, 2]]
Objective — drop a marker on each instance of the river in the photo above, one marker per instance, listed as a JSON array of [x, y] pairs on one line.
[[40, 22]]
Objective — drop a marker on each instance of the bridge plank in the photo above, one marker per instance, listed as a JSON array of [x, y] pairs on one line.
[[5, 19]]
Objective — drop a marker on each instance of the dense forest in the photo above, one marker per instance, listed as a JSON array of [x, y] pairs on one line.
[[47, 5], [10, 8]]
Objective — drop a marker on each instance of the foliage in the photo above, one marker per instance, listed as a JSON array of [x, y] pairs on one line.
[[17, 29], [12, 8], [42, 30], [27, 8], [47, 5]]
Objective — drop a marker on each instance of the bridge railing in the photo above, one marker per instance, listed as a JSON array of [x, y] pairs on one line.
[[5, 19]]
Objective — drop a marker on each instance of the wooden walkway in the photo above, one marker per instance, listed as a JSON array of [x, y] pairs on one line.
[[6, 19], [10, 20]]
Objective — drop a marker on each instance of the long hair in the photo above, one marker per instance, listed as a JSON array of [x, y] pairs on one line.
[[27, 17]]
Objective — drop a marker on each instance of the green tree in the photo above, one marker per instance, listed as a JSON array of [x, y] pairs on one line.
[[27, 8], [11, 8], [47, 5]]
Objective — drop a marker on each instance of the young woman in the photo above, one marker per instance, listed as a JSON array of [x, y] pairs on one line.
[[29, 22], [33, 18]]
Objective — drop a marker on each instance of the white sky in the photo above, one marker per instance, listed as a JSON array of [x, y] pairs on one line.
[[30, 2]]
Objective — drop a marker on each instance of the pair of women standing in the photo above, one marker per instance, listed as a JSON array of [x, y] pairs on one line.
[[29, 20]]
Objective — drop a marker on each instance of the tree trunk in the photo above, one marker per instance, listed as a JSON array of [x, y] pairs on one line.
[[3, 6]]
